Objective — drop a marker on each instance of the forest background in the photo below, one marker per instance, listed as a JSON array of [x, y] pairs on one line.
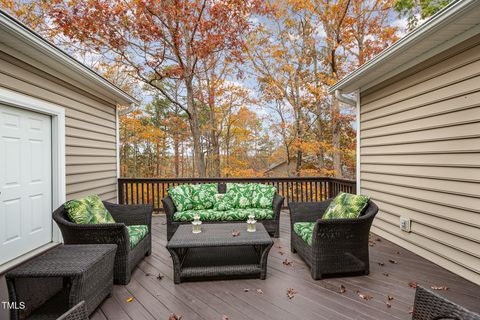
[[228, 88]]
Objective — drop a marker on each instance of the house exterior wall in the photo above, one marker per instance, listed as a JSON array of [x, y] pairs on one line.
[[90, 127], [420, 158]]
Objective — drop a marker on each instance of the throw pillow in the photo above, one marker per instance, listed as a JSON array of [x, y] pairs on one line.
[[240, 194], [346, 206], [262, 196], [224, 203], [182, 197], [203, 195], [88, 210]]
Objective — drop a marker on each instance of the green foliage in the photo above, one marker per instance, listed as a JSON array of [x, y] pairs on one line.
[[413, 9]]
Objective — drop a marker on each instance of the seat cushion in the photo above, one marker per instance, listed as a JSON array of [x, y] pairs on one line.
[[88, 210], [262, 196], [304, 230], [229, 215], [205, 215], [136, 233], [182, 197], [203, 195], [242, 214], [346, 206]]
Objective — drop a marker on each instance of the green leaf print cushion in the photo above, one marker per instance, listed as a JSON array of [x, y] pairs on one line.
[[203, 195], [304, 230], [88, 210], [135, 234], [346, 206], [182, 197], [262, 196], [240, 194]]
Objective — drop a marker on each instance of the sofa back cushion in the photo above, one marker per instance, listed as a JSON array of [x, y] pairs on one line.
[[182, 197], [262, 196], [193, 197], [346, 206], [88, 210], [203, 195], [240, 194]]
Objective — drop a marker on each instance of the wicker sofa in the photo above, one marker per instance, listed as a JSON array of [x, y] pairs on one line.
[[116, 233], [271, 225], [431, 306], [339, 246]]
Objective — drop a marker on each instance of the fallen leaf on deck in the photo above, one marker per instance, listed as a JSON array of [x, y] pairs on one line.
[[364, 296], [278, 246], [281, 253], [246, 290], [389, 305], [291, 293], [160, 276], [398, 252], [393, 261], [259, 291], [173, 316], [342, 289], [371, 243], [390, 298], [130, 299], [381, 264], [439, 288], [287, 262], [378, 239], [148, 274], [412, 284], [164, 223], [386, 274], [235, 233], [224, 317]]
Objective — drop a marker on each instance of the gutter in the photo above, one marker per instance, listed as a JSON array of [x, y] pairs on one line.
[[343, 98]]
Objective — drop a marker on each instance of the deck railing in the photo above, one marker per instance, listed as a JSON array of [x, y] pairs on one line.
[[294, 189]]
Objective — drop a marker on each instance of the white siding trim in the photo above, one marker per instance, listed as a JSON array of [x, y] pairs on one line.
[[117, 134], [19, 100], [358, 142]]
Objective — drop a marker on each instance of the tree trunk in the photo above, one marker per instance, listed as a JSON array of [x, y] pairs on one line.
[[176, 150], [198, 156]]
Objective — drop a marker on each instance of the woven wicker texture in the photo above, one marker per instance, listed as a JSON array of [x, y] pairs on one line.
[[57, 280], [431, 306], [79, 312], [115, 233], [339, 246], [217, 254], [272, 226]]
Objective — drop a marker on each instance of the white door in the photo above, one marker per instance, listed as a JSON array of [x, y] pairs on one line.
[[25, 181]]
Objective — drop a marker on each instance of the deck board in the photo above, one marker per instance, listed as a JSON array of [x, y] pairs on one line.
[[209, 300]]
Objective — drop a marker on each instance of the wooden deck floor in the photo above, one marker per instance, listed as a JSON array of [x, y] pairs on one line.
[[157, 299]]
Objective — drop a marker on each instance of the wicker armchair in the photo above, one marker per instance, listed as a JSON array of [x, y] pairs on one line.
[[125, 215], [431, 306], [79, 312], [339, 246], [272, 226]]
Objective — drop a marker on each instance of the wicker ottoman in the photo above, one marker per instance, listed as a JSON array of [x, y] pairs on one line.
[[54, 282]]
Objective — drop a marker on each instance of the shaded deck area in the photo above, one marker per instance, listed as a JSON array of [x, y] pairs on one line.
[[157, 298]]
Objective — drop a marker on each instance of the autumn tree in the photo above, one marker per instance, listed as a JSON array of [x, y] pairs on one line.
[[414, 10], [161, 40]]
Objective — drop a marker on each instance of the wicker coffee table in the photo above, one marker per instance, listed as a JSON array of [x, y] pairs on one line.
[[216, 254]]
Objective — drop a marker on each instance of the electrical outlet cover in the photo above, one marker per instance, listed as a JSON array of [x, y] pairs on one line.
[[405, 224]]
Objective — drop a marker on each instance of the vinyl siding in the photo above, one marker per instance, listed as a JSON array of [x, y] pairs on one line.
[[90, 127], [420, 158]]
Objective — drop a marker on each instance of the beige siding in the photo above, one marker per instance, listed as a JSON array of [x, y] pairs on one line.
[[420, 158], [90, 127]]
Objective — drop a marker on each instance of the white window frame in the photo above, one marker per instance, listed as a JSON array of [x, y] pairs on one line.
[[19, 100]]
